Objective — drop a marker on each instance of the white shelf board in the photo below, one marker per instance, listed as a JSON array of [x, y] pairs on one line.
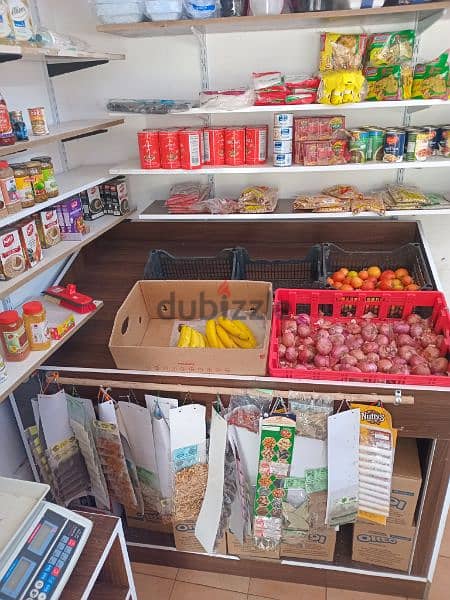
[[60, 251], [18, 372], [158, 212], [297, 108], [69, 183], [132, 168], [64, 131], [50, 55]]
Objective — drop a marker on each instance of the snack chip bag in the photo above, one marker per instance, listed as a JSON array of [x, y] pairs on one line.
[[342, 87], [431, 79], [385, 49], [389, 83], [342, 51]]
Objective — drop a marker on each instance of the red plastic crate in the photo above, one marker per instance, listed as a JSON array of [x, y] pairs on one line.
[[341, 307]]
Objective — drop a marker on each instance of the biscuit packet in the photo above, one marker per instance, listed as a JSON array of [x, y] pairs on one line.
[[394, 48], [342, 51], [389, 82], [431, 79]]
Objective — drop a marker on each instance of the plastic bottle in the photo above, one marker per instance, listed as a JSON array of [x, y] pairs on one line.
[[13, 336], [200, 9], [7, 137], [5, 24], [22, 22], [8, 189], [36, 326]]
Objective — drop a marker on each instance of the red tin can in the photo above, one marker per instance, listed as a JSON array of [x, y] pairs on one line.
[[256, 144], [148, 141], [235, 146], [169, 148], [214, 146], [190, 148]]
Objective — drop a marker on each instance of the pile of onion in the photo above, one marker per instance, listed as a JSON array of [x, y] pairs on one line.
[[407, 347]]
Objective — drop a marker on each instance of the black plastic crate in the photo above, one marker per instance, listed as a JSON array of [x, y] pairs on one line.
[[162, 265], [294, 273], [410, 256]]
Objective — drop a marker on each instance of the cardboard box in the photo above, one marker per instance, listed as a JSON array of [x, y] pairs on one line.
[[248, 548], [406, 483], [389, 546], [93, 204], [319, 545], [143, 330], [185, 540], [142, 521]]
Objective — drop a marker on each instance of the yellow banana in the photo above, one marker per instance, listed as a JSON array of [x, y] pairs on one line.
[[197, 339], [223, 336], [211, 334], [185, 337], [247, 344], [205, 339], [201, 340], [231, 328], [247, 331]]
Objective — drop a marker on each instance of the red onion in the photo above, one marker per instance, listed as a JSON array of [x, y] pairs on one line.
[[324, 346], [321, 361], [439, 365], [400, 327], [406, 352], [429, 339], [308, 341], [324, 324], [336, 329], [297, 340], [339, 351], [382, 339], [321, 334], [369, 332], [353, 327], [358, 354], [367, 367], [288, 325], [388, 351], [353, 370], [291, 354], [305, 354], [303, 319], [281, 350], [303, 330], [430, 353], [385, 329], [416, 360], [413, 318], [288, 339], [416, 330], [403, 339], [384, 365], [369, 347], [421, 369], [354, 341], [399, 370], [301, 367], [349, 360], [397, 360], [439, 341], [372, 357], [337, 339]]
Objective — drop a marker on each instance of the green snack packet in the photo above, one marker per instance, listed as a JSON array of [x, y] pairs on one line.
[[388, 83], [431, 79], [393, 48]]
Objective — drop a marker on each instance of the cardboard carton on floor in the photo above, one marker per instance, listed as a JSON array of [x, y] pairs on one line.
[[143, 521], [389, 546], [248, 549], [406, 483], [319, 545], [143, 332], [185, 540]]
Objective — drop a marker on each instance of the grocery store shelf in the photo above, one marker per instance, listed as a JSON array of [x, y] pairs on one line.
[[61, 251], [158, 212], [133, 168], [64, 132], [412, 104], [18, 372], [69, 183], [302, 20]]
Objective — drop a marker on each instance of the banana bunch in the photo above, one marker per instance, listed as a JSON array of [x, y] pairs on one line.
[[225, 333], [191, 338]]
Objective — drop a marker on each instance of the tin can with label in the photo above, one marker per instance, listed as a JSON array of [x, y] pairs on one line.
[[394, 145], [359, 142], [282, 147], [190, 148], [410, 143], [417, 147], [38, 121], [375, 146], [283, 120], [169, 148], [256, 144], [282, 160], [148, 141], [283, 133], [432, 132], [444, 140], [214, 146], [235, 146]]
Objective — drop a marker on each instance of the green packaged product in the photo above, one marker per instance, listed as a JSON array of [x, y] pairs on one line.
[[385, 49], [431, 79], [389, 83]]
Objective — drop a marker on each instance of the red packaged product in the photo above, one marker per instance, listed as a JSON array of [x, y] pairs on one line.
[[256, 144], [303, 97], [298, 153], [265, 98], [214, 146], [235, 146], [148, 141], [326, 152], [190, 148], [317, 128], [302, 82], [169, 148]]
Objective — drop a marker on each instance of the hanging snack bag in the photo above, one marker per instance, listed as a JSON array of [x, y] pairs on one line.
[[385, 49], [340, 51], [431, 79], [389, 83], [342, 87]]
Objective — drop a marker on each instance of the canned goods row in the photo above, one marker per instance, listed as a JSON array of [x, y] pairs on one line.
[[192, 148]]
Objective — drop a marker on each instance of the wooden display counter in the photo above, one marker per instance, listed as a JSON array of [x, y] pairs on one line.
[[109, 267]]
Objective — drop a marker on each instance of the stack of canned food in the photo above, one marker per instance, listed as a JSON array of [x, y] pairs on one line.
[[283, 137]]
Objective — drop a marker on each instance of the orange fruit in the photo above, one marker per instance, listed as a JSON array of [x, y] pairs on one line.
[[346, 288], [387, 275], [357, 282], [399, 273], [385, 284], [344, 270], [407, 280], [363, 275], [412, 287], [374, 272], [338, 276], [368, 285], [352, 274]]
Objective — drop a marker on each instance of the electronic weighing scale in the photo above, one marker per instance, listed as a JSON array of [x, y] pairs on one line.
[[40, 543]]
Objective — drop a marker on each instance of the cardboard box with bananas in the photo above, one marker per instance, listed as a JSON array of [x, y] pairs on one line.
[[194, 327]]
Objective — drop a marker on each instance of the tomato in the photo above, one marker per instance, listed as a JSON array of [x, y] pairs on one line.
[[347, 280], [357, 282], [407, 280], [364, 275], [368, 285], [338, 285], [344, 270], [387, 275], [373, 279], [396, 284], [385, 284], [399, 273], [413, 287], [374, 272], [346, 288], [338, 276]]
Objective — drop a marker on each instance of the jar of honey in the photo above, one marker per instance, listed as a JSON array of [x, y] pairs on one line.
[[13, 336], [36, 325]]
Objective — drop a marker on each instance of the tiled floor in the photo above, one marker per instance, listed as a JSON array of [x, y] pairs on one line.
[[167, 583]]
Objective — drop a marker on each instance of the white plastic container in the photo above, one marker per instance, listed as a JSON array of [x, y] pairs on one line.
[[282, 147], [283, 120], [201, 9], [164, 10], [266, 7], [282, 160], [22, 22], [115, 11], [283, 133]]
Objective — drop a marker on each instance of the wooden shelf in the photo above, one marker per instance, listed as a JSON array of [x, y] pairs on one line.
[[18, 372], [69, 183], [64, 132], [133, 168], [305, 20], [158, 212], [61, 251]]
